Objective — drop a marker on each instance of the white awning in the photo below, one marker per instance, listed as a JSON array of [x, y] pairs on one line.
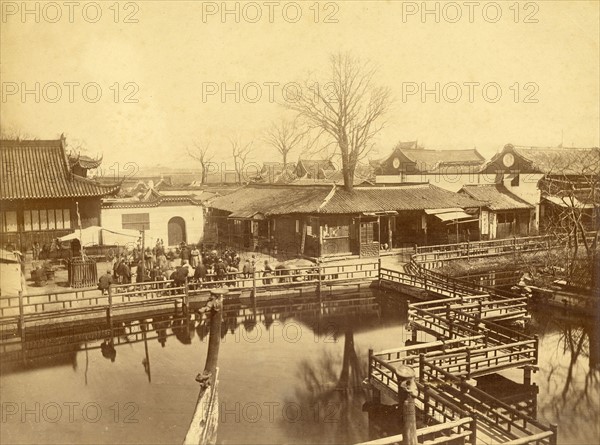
[[454, 216], [246, 215], [96, 235], [446, 210]]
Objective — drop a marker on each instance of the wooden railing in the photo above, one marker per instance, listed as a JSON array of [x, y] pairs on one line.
[[464, 428], [444, 393], [479, 249], [513, 423], [18, 310]]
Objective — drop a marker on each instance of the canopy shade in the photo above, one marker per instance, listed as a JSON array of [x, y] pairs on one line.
[[96, 235], [454, 216]]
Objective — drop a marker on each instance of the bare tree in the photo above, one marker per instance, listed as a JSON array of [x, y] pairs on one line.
[[200, 151], [348, 108], [240, 152], [573, 183], [284, 136], [13, 133]]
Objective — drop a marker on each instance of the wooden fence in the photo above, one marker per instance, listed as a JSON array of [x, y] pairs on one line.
[[20, 310]]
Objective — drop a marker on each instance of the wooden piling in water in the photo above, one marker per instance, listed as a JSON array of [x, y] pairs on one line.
[[407, 391]]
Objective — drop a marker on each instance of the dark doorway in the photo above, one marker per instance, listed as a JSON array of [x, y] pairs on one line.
[[177, 232]]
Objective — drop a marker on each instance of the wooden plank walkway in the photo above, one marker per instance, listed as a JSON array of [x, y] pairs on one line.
[[465, 342]]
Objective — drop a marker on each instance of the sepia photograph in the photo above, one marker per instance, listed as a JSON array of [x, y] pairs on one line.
[[350, 222]]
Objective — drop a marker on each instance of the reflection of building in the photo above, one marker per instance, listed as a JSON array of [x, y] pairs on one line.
[[42, 190], [322, 220], [171, 215]]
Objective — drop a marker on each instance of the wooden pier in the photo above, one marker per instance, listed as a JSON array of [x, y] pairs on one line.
[[461, 340]]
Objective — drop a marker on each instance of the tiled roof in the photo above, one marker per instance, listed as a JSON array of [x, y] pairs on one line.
[[562, 161], [154, 198], [436, 161], [290, 199], [84, 161], [36, 169], [431, 158], [317, 164], [406, 145], [496, 197]]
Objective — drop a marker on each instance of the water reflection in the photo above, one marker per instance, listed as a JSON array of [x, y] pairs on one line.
[[264, 360], [570, 371]]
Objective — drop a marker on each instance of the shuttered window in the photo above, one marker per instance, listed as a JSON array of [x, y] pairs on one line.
[[136, 221], [9, 221]]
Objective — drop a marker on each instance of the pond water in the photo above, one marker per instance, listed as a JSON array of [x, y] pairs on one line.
[[290, 372]]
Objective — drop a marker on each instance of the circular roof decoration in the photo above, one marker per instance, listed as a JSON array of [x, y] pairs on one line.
[[508, 160]]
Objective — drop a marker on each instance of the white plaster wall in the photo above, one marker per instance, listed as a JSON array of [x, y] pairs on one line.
[[452, 181], [159, 219]]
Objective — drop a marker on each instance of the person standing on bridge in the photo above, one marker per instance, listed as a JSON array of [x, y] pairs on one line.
[[105, 281]]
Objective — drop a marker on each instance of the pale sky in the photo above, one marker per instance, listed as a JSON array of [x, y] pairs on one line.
[[178, 49]]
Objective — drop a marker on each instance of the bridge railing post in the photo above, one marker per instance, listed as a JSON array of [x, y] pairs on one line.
[[554, 437], [370, 363], [109, 308], [468, 364], [537, 348], [21, 316], [473, 437], [421, 368], [186, 295]]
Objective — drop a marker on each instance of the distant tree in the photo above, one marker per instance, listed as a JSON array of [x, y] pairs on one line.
[[347, 106], [240, 152], [200, 151], [12, 133], [284, 136]]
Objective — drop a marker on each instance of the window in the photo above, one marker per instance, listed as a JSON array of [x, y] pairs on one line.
[[505, 218], [297, 226], [9, 221], [366, 233], [67, 218], [46, 219], [136, 221], [335, 231], [51, 219], [59, 219], [27, 220], [43, 220]]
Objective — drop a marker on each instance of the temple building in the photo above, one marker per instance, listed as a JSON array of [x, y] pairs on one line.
[[44, 193]]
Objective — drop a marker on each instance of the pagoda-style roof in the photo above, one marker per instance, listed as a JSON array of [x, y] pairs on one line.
[[40, 169], [84, 161]]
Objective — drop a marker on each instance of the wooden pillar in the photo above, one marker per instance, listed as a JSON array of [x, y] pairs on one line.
[[21, 316], [554, 437], [390, 237], [320, 238], [109, 308], [375, 393], [186, 296], [214, 307], [319, 284], [407, 392]]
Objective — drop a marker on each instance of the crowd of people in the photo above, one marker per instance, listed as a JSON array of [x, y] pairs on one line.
[[192, 264]]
